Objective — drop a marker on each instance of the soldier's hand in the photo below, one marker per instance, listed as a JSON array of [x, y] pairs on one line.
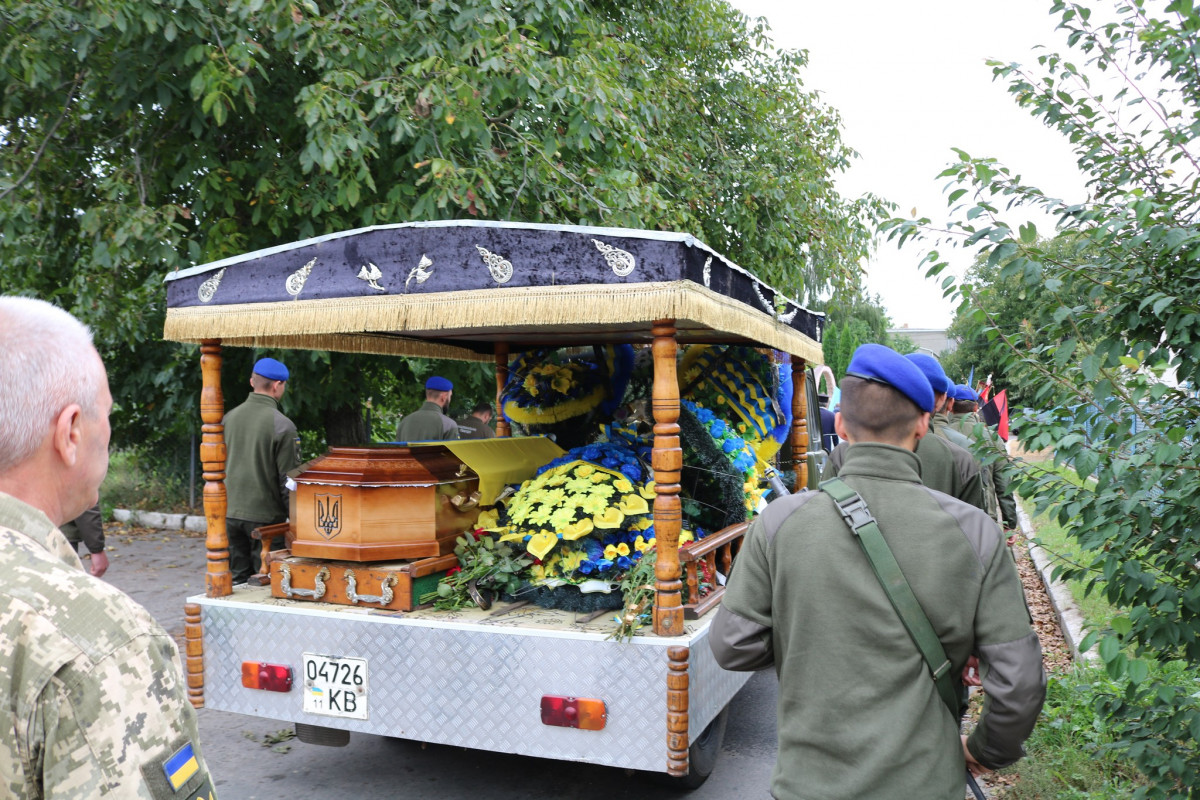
[[974, 766], [99, 564], [970, 673]]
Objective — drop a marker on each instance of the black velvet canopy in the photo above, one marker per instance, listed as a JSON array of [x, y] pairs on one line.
[[455, 289]]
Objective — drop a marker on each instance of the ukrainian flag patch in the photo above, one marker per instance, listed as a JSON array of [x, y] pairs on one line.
[[181, 766]]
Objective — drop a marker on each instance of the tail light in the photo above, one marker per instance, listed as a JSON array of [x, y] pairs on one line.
[[268, 677], [574, 712]]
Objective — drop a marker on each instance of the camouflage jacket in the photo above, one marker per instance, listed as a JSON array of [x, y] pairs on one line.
[[94, 703]]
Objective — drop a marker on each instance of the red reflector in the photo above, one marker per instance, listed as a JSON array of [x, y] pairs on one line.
[[268, 677], [574, 712]]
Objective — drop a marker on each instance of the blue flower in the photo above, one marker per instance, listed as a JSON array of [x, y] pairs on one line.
[[632, 471], [604, 565], [609, 462], [704, 415], [586, 567], [717, 429], [623, 562], [731, 445]]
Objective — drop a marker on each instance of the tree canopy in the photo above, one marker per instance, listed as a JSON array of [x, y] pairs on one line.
[[1114, 301], [138, 138]]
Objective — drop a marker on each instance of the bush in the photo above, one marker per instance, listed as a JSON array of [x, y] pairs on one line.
[[138, 480]]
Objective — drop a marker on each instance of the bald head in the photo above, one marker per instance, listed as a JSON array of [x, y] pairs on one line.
[[47, 362]]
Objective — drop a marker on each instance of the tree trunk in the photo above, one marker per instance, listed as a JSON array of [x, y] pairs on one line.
[[344, 426]]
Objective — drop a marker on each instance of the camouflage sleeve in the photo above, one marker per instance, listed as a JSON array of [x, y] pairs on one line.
[[120, 726]]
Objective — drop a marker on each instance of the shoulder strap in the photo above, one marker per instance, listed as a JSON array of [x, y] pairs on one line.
[[856, 514]]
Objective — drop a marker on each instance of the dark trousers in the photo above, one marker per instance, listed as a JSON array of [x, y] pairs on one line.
[[245, 553]]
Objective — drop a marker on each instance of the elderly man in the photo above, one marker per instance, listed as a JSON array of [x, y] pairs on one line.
[[429, 423], [860, 712], [94, 702]]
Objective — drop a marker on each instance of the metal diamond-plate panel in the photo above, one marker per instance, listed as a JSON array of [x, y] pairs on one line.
[[710, 686], [465, 685]]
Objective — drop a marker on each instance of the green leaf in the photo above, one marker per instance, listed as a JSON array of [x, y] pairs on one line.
[[1028, 233]]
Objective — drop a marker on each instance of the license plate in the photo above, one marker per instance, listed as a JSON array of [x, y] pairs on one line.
[[335, 686]]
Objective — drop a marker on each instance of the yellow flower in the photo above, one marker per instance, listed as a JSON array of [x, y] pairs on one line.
[[561, 385], [531, 386], [600, 477], [593, 504], [558, 480], [632, 504], [578, 530], [571, 561], [610, 552], [515, 536], [643, 524], [622, 549], [622, 485], [541, 543], [642, 545], [686, 536], [647, 491], [584, 470], [561, 518], [540, 515], [610, 518], [553, 497], [602, 490], [488, 520]]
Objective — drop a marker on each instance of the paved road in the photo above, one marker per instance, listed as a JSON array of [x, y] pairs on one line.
[[161, 569]]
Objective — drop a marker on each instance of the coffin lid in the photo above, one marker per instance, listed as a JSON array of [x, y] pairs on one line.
[[497, 463]]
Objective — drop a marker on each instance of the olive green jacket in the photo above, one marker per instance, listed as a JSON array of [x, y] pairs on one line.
[[427, 424], [261, 445], [971, 426], [859, 715], [944, 466]]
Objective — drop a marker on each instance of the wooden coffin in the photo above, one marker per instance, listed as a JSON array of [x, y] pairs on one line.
[[396, 585], [382, 503]]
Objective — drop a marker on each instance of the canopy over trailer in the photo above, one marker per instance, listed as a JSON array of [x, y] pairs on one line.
[[476, 291]]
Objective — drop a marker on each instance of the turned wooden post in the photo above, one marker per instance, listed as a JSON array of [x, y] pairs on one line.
[[677, 710], [194, 653], [799, 437], [218, 581], [502, 426], [667, 461]]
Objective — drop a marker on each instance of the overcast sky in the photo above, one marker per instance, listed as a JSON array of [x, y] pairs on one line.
[[910, 82]]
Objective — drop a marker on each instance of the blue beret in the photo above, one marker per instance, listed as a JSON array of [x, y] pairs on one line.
[[271, 369], [874, 362], [439, 384], [933, 372], [964, 392]]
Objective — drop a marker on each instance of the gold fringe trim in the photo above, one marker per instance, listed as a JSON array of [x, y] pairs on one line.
[[362, 324]]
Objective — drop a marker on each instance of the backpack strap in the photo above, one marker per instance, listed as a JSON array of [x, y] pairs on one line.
[[858, 517]]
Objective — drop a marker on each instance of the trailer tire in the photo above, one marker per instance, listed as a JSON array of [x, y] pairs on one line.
[[702, 755]]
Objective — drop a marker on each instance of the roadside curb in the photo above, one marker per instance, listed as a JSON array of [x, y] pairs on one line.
[[1070, 621], [155, 519]]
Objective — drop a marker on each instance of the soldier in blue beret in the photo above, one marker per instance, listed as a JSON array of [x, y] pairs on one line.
[[965, 419], [803, 598], [429, 423], [262, 446], [939, 424]]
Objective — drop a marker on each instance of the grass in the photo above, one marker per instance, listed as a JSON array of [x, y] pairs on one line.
[[134, 482], [1062, 549], [1066, 756]]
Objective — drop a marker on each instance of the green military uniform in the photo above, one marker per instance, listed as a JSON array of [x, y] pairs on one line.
[[87, 528], [971, 426], [472, 427], [944, 466], [94, 701], [859, 715], [426, 424], [262, 446]]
